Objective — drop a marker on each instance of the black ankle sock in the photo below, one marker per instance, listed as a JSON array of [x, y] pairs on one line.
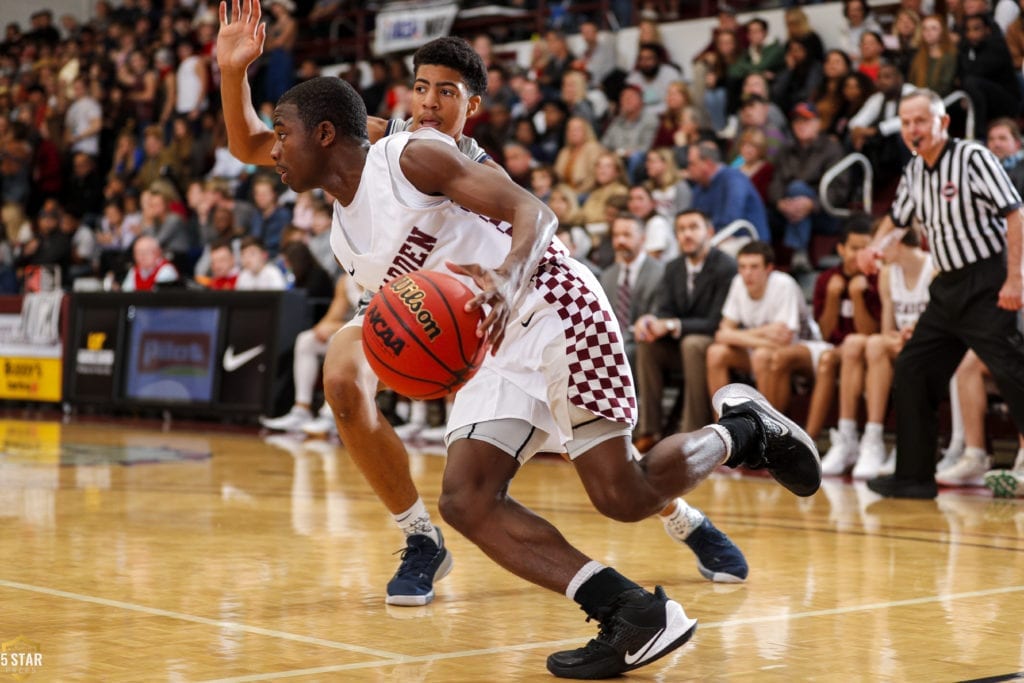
[[601, 589], [746, 438]]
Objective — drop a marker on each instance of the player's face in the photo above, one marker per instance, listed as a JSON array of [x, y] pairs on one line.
[[848, 251], [441, 100], [296, 150], [754, 272], [923, 131]]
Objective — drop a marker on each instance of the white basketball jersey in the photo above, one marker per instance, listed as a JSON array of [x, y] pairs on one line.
[[391, 228], [908, 304]]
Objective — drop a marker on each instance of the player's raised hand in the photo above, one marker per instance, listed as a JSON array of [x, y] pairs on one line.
[[240, 40], [495, 292]]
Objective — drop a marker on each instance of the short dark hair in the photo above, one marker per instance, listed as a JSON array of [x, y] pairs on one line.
[[456, 54], [329, 99], [697, 212], [857, 224], [758, 248], [252, 241]]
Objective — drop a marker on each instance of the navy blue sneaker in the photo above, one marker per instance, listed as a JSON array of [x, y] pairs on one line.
[[784, 449], [423, 563], [636, 629], [718, 558]]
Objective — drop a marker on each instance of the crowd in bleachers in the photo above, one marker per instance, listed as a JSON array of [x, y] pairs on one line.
[[110, 133]]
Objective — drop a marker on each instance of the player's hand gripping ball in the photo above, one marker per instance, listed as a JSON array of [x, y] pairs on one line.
[[418, 337]]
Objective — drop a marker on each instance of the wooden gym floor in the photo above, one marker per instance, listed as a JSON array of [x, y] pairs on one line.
[[139, 552]]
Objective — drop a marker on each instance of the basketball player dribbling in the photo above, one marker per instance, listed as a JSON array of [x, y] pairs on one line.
[[449, 79], [555, 376]]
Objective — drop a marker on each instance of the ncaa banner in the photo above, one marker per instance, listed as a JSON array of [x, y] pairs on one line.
[[407, 27]]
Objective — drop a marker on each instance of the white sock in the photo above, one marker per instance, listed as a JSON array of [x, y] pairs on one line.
[[581, 577], [873, 432], [416, 520], [726, 437], [682, 521], [975, 452], [418, 413], [848, 427]]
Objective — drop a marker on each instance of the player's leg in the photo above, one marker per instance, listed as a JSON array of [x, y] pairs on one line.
[[823, 394], [970, 467], [722, 358], [637, 627], [350, 388]]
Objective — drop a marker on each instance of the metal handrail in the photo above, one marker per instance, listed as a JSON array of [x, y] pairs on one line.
[[832, 173], [969, 124], [731, 229]]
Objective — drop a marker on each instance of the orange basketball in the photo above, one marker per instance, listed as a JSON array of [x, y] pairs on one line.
[[418, 337]]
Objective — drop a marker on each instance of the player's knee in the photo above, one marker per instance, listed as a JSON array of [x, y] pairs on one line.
[[462, 512], [615, 502], [342, 388], [716, 355], [305, 343]]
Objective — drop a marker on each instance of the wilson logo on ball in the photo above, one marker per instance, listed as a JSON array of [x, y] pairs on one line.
[[418, 337]]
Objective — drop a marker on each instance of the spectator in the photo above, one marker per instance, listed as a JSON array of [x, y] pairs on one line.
[[84, 188], [158, 161], [49, 246], [866, 367], [551, 140], [986, 74], [828, 97], [757, 84], [271, 218], [671, 194], [558, 60], [631, 132], [763, 312], [871, 51], [677, 99], [761, 56], [310, 348], [934, 64], [631, 282], [192, 81], [651, 75], [857, 88], [566, 206], [722, 193], [794, 189], [752, 160], [117, 230], [306, 270], [519, 162], [904, 39], [659, 240], [800, 78], [15, 164], [160, 222], [874, 130], [149, 267], [798, 27], [598, 57], [258, 272], [754, 114], [84, 249], [580, 100], [859, 20], [224, 229], [320, 239], [1004, 141], [846, 302], [83, 120], [542, 179], [577, 240], [676, 334], [498, 90], [575, 162], [140, 82], [279, 68], [610, 179]]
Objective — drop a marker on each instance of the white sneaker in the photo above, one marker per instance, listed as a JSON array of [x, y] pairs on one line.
[[888, 467], [968, 471], [320, 426], [291, 421], [841, 456], [410, 430], [950, 456], [872, 457]]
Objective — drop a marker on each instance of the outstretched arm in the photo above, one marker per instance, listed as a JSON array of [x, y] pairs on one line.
[[239, 43], [436, 168]]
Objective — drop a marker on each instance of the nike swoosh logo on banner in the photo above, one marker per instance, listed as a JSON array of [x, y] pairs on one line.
[[528, 320], [634, 657], [233, 361]]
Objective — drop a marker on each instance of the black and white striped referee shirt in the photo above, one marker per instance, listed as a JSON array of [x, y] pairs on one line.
[[961, 203]]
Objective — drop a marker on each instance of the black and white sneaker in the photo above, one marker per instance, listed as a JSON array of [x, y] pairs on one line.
[[637, 628], [785, 450]]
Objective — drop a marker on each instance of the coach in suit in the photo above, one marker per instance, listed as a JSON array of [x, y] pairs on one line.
[[632, 280], [677, 334]]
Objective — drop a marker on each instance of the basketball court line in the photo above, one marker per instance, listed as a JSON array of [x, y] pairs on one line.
[[391, 658]]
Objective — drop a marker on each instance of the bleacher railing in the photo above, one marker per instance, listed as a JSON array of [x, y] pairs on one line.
[[833, 173]]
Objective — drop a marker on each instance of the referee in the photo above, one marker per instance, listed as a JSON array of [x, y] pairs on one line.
[[971, 214]]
